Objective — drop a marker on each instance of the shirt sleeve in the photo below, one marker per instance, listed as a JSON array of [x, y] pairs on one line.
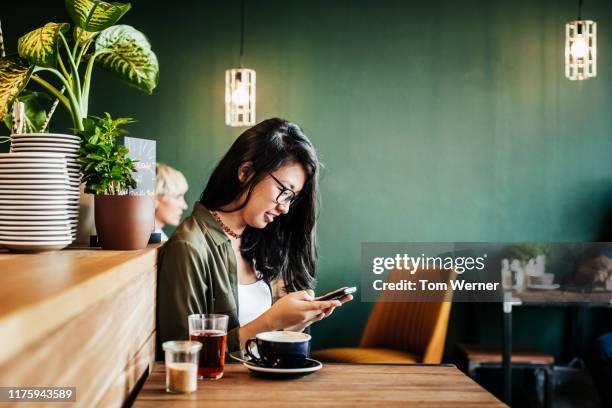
[[181, 288], [233, 340]]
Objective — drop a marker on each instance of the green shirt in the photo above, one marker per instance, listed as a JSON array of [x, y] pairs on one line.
[[197, 274]]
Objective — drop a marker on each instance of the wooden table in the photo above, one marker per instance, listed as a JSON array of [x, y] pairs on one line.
[[338, 385]]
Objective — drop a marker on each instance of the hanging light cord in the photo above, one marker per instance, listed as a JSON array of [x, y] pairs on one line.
[[241, 32]]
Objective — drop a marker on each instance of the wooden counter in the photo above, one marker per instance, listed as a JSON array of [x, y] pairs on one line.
[[335, 385], [82, 318]]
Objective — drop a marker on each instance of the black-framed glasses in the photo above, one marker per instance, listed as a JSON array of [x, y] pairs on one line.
[[286, 195]]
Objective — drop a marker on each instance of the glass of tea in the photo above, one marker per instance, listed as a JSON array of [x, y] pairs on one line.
[[211, 331]]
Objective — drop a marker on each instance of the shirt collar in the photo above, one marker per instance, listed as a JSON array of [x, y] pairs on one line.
[[207, 222]]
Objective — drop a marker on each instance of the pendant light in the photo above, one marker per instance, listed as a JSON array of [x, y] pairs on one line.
[[580, 48], [240, 88]]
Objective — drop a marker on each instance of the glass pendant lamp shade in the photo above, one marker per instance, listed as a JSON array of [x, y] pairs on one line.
[[240, 88], [240, 97], [580, 49]]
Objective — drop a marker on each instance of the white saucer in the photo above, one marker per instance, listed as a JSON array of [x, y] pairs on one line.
[[31, 165], [47, 135], [44, 208], [42, 149], [35, 199], [38, 146], [44, 155], [39, 171], [55, 231], [42, 143], [43, 217], [61, 185], [37, 195], [34, 223], [311, 366], [36, 239], [35, 246], [13, 178], [45, 140], [19, 229]]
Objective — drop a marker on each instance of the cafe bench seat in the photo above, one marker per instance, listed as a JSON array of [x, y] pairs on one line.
[[365, 355]]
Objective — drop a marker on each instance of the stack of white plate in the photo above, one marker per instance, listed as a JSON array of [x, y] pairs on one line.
[[66, 145], [38, 205]]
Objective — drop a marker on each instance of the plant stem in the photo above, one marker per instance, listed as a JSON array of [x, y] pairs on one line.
[[58, 95], [74, 49], [76, 108], [86, 83], [63, 67], [73, 67], [54, 91], [82, 51]]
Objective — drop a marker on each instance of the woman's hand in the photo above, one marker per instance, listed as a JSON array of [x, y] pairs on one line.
[[298, 308], [326, 313], [294, 311]]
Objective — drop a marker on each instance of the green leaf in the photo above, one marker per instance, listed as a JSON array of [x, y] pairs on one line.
[[105, 168], [35, 112], [126, 52], [14, 76], [82, 36], [95, 15], [40, 46]]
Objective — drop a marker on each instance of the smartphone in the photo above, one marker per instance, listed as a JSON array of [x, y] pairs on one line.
[[338, 293]]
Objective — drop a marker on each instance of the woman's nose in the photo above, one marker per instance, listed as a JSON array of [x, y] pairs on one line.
[[283, 208]]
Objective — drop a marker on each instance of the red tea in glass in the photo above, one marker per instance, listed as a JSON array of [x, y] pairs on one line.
[[212, 354]]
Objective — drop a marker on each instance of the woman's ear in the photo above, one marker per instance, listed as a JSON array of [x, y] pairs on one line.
[[245, 171]]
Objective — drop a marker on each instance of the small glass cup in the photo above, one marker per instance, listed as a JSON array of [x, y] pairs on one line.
[[211, 331], [181, 366]]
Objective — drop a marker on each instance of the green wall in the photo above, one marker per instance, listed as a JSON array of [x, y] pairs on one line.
[[436, 121]]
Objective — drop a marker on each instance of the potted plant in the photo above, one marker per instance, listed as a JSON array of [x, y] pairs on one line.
[[61, 60], [123, 221], [96, 41]]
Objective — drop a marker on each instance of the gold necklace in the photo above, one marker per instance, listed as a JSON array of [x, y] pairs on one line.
[[227, 229]]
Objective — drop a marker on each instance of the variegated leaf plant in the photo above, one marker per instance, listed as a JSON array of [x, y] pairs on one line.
[[96, 41]]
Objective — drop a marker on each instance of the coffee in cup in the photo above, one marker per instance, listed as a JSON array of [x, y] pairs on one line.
[[280, 349]]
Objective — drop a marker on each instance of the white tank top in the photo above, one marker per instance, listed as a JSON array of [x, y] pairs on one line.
[[253, 300]]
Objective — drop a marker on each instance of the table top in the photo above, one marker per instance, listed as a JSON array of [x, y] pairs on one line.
[[355, 385], [560, 297]]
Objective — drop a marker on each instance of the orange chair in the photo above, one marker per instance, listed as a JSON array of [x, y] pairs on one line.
[[399, 332]]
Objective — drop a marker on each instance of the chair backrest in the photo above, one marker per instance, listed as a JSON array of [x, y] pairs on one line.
[[416, 327]]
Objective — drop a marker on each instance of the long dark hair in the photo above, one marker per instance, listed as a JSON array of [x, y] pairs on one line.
[[286, 247]]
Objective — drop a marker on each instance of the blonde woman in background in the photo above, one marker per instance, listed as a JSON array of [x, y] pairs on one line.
[[170, 188]]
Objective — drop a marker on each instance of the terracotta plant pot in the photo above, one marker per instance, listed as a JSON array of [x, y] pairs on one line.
[[124, 222]]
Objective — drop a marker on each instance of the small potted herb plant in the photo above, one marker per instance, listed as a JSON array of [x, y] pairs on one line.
[[123, 220]]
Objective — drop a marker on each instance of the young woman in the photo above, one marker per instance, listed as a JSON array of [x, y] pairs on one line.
[[252, 230]]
